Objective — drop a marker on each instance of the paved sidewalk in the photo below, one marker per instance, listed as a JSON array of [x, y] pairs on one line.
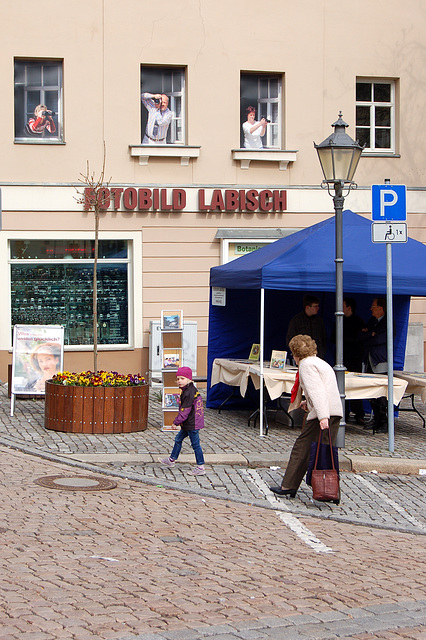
[[227, 439], [240, 465]]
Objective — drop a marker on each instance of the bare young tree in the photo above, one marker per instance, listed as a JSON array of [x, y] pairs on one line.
[[96, 198]]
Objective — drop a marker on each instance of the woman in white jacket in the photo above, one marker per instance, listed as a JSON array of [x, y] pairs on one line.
[[317, 380]]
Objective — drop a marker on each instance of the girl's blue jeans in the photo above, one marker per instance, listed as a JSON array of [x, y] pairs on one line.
[[194, 436]]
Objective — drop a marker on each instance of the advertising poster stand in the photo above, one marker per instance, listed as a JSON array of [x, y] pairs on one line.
[[38, 353]]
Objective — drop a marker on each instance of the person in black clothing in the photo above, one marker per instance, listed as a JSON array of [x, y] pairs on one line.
[[375, 358], [352, 352], [309, 323]]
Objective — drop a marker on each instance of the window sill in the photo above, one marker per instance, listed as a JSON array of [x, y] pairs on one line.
[[145, 152], [245, 156], [36, 141], [380, 154]]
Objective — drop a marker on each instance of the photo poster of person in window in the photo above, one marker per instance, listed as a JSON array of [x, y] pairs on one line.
[[260, 106], [38, 354], [155, 113], [253, 114], [254, 130], [41, 123]]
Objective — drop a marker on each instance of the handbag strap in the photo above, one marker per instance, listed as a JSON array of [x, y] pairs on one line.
[[318, 448]]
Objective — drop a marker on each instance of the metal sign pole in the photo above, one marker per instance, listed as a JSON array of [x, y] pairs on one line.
[[389, 205], [389, 320]]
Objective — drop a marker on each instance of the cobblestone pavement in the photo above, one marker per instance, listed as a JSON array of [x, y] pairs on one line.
[[394, 502], [142, 562], [226, 432]]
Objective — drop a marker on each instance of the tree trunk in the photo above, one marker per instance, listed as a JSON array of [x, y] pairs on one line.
[[95, 295]]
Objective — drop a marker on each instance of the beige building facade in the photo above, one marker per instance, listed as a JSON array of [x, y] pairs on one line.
[[187, 194]]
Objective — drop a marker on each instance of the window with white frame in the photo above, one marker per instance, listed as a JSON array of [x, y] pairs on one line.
[[52, 283], [263, 92], [38, 101], [162, 123], [375, 114]]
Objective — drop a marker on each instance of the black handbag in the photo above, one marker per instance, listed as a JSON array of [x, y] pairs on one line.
[[325, 481]]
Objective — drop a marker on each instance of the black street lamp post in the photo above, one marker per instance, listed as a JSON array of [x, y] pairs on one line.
[[339, 156]]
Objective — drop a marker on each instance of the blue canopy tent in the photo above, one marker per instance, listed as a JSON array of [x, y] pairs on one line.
[[265, 289]]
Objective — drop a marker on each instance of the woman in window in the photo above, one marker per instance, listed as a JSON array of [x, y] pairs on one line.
[[253, 130]]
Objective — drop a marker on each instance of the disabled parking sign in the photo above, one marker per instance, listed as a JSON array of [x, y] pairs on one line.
[[389, 202], [389, 232]]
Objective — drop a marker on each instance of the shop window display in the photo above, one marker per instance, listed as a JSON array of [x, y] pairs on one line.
[[48, 287]]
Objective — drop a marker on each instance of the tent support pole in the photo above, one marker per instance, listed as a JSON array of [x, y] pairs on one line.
[[262, 340], [339, 368]]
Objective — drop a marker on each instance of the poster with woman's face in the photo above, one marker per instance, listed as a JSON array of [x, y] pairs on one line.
[[38, 353]]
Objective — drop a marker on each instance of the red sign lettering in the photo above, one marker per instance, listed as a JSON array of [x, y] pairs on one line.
[[224, 200], [179, 199], [144, 199], [130, 198]]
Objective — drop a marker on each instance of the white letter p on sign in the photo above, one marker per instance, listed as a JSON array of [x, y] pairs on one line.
[[388, 198]]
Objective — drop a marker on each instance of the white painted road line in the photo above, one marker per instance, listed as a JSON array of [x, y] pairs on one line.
[[289, 520], [391, 502]]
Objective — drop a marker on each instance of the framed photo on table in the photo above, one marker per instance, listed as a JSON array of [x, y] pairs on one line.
[[172, 320], [254, 352], [278, 359]]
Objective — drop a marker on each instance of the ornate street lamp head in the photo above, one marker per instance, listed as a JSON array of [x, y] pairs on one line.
[[339, 155]]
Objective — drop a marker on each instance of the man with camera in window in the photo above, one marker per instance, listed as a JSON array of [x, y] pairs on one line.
[[159, 117]]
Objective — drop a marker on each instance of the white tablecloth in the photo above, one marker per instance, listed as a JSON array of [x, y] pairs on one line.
[[416, 383], [357, 385], [232, 372]]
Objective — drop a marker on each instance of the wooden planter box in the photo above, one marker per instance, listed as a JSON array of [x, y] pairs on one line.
[[96, 409]]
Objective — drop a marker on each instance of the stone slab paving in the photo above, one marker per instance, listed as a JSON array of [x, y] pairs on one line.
[[149, 563]]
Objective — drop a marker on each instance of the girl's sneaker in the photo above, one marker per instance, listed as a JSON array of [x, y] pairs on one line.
[[167, 462], [198, 471]]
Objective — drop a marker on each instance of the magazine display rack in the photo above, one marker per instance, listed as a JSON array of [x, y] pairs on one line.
[[171, 360]]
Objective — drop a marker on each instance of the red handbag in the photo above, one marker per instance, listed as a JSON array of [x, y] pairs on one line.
[[325, 482]]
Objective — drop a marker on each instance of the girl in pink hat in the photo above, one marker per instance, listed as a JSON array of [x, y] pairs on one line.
[[190, 419]]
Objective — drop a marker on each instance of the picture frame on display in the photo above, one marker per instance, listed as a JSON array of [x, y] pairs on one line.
[[172, 320], [278, 359], [254, 352], [172, 359]]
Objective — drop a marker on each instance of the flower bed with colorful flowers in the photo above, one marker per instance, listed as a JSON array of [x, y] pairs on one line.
[[99, 379]]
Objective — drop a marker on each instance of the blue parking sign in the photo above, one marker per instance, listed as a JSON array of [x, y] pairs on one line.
[[389, 202]]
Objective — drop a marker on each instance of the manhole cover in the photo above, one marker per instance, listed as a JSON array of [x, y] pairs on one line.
[[76, 483]]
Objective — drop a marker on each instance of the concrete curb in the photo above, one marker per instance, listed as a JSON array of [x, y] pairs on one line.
[[402, 466], [348, 463]]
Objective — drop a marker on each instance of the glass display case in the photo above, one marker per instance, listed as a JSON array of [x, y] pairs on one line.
[[43, 292]]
